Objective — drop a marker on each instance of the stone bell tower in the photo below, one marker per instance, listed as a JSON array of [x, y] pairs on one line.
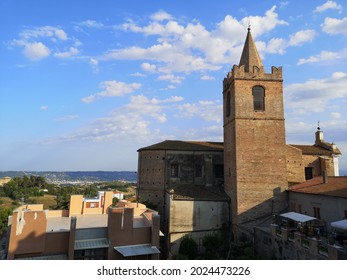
[[254, 140]]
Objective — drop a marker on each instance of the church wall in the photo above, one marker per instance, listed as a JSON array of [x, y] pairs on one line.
[[254, 143], [327, 164], [151, 177], [314, 162], [295, 165], [155, 173], [261, 170], [187, 162], [273, 99]]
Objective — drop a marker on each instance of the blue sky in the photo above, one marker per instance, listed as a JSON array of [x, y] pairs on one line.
[[84, 84]]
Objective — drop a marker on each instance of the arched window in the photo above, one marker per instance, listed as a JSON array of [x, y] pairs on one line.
[[258, 98], [227, 105]]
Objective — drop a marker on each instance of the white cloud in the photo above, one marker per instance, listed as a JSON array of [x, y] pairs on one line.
[[207, 78], [276, 45], [122, 126], [172, 78], [60, 34], [172, 99], [206, 133], [39, 42], [335, 26], [148, 67], [153, 107], [283, 4], [332, 5], [142, 105], [323, 56], [91, 24], [315, 95], [94, 62], [71, 52], [301, 37], [174, 59], [111, 89], [335, 115], [130, 123], [44, 107], [160, 16], [44, 31], [191, 47], [261, 25], [138, 74], [279, 45], [36, 51], [205, 109]]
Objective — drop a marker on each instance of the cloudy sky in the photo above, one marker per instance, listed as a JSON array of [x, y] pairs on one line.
[[84, 84]]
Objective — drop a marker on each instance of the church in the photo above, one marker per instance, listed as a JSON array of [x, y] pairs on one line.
[[240, 183]]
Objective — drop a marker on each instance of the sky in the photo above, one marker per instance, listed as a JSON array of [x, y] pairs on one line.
[[85, 84]]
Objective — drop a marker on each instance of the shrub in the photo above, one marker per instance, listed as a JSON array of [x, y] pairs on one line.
[[188, 247]]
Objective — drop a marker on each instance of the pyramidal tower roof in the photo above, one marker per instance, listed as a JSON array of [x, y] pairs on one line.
[[250, 56]]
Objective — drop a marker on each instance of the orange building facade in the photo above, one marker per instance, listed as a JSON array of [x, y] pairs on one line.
[[127, 231]]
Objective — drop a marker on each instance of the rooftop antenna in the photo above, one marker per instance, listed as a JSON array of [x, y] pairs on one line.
[[318, 128]]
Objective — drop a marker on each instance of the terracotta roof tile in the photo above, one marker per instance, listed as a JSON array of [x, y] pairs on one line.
[[335, 186], [177, 145], [315, 150]]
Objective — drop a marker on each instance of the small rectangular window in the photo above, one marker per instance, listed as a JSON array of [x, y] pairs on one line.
[[174, 170], [308, 173], [227, 109], [316, 212], [198, 170]]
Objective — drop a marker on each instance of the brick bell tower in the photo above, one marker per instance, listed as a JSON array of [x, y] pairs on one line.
[[254, 141]]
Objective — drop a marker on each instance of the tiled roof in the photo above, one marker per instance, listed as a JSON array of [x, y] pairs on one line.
[[177, 145], [315, 150], [335, 186]]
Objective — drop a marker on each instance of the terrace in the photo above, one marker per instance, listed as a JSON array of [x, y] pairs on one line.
[[311, 234]]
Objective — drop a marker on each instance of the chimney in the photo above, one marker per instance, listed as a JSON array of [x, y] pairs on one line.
[[325, 177]]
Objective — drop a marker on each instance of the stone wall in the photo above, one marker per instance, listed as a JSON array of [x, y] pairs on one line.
[[254, 144], [295, 165], [151, 177]]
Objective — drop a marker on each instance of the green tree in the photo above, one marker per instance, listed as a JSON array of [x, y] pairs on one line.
[[63, 197], [89, 191], [4, 213], [115, 201], [188, 247], [214, 245], [242, 249]]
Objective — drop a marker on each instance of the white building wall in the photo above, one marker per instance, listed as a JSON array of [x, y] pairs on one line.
[[196, 218]]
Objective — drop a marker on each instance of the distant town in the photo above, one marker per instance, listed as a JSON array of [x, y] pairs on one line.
[[76, 177]]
